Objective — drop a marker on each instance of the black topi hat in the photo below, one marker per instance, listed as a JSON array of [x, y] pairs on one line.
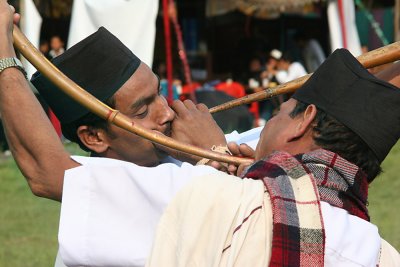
[[100, 64], [370, 107]]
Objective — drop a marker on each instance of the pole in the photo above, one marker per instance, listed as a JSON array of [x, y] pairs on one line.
[[397, 21], [168, 53]]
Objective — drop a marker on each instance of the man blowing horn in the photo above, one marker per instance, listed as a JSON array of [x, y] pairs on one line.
[[118, 170], [304, 201]]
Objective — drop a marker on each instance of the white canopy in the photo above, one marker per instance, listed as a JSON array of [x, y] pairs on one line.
[[133, 22]]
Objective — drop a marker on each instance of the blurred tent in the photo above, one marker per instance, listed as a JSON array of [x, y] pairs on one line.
[[257, 8], [397, 20], [342, 26], [31, 22], [54, 8], [133, 22], [341, 16]]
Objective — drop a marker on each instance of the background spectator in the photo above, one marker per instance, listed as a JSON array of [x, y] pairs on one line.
[[311, 51], [45, 48], [288, 69], [57, 46]]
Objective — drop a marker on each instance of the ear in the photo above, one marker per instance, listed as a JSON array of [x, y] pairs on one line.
[[92, 138], [304, 122]]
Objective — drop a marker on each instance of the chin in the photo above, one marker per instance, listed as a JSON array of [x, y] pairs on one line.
[[155, 158], [151, 162]]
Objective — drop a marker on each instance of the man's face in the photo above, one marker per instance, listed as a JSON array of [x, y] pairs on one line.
[[255, 65], [277, 130], [272, 63], [56, 43], [283, 64], [139, 99]]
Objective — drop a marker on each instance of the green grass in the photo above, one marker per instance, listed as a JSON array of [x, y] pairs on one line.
[[384, 200], [28, 224]]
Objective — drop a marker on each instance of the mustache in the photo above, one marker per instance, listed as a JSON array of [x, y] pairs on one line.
[[168, 130]]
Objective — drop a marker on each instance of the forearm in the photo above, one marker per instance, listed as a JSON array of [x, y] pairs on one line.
[[23, 126], [32, 139]]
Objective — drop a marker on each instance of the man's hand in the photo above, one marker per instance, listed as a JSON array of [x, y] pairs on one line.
[[7, 19], [241, 150], [194, 125]]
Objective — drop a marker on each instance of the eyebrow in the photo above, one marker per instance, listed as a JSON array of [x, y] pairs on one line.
[[147, 99]]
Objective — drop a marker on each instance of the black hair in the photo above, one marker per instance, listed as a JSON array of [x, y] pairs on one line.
[[287, 56], [43, 41], [91, 120], [332, 135]]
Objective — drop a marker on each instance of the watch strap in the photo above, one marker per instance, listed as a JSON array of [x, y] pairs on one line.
[[12, 62]]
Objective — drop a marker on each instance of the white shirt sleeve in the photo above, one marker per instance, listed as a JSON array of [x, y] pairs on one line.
[[110, 209], [360, 248]]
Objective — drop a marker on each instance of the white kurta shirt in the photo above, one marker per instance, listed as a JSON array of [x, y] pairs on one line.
[[110, 208]]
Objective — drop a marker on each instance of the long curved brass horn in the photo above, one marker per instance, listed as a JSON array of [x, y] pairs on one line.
[[377, 57], [97, 107]]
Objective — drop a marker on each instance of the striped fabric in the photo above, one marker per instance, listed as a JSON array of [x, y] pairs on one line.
[[340, 183], [296, 185]]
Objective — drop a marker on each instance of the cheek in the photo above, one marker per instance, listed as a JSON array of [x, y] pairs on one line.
[[135, 147], [261, 146], [150, 122], [257, 155], [269, 138], [124, 137]]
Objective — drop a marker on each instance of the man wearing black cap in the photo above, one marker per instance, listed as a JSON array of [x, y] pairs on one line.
[[111, 72], [96, 187], [304, 201], [108, 70]]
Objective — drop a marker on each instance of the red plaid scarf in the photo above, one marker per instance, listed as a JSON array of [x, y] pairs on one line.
[[327, 177]]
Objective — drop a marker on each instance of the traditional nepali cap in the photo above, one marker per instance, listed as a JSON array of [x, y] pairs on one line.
[[368, 106], [100, 64], [276, 54]]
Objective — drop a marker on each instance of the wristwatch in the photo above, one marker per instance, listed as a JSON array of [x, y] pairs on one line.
[[12, 62]]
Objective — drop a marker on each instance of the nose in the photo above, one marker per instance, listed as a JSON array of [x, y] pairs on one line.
[[165, 114]]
